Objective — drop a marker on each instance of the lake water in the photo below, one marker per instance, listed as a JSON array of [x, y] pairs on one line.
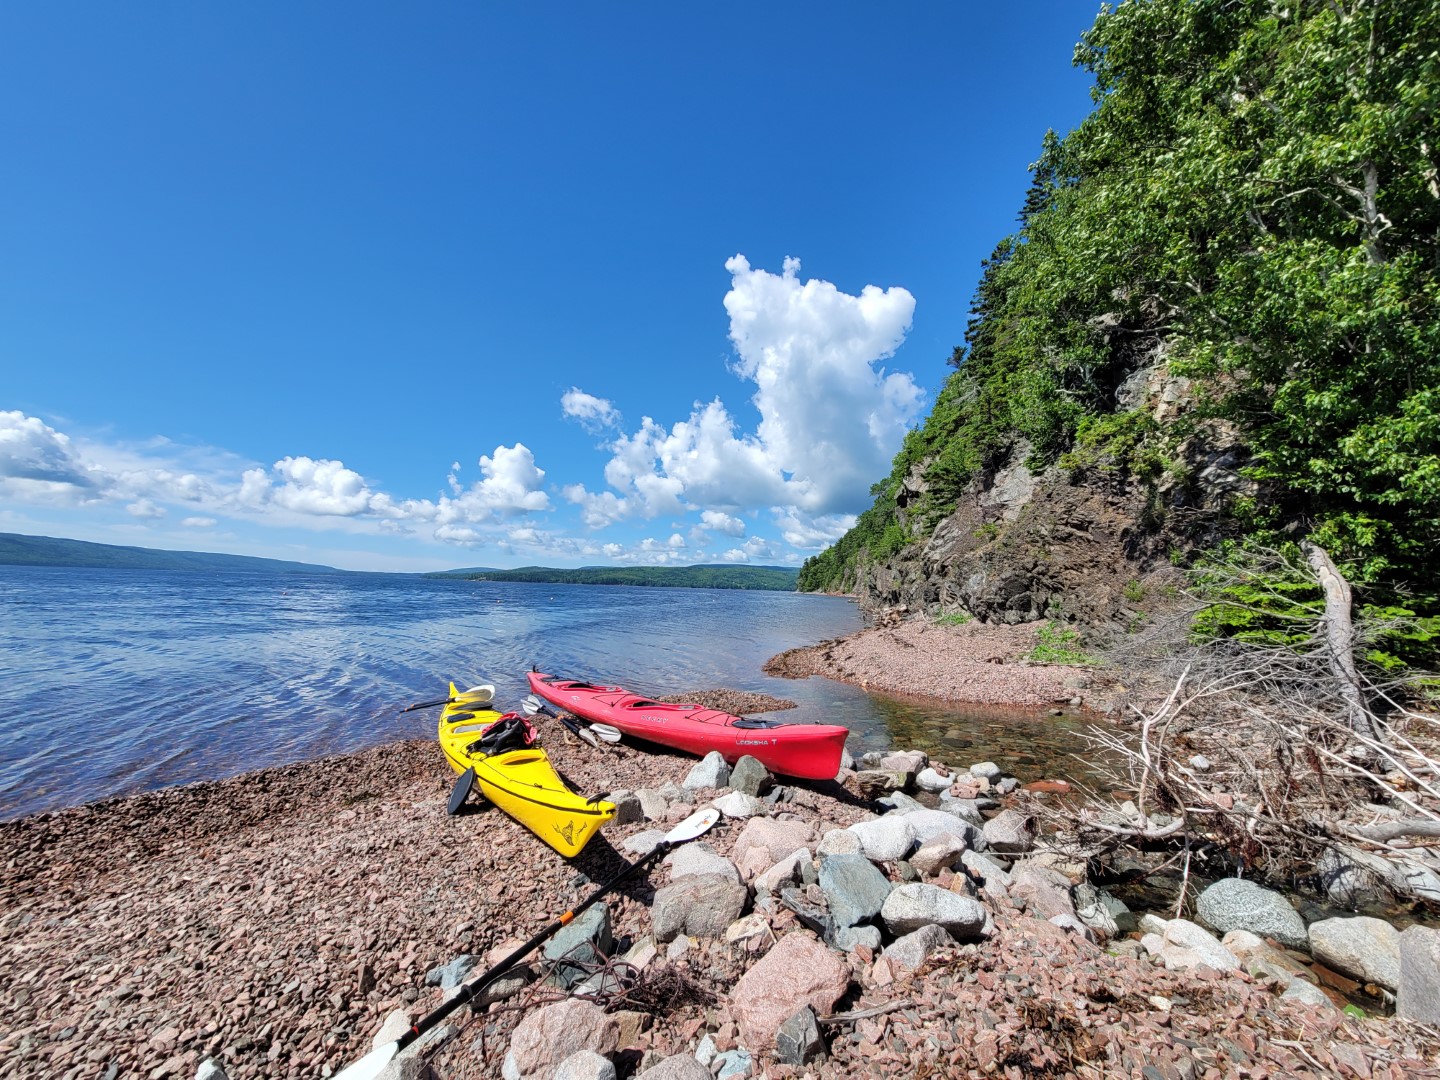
[[117, 681]]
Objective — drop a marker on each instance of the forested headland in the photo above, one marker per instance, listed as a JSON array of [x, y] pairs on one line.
[[1221, 307]]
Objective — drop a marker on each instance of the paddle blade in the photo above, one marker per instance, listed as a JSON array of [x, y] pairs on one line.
[[588, 736], [606, 733], [371, 1065], [461, 791], [476, 694], [695, 825]]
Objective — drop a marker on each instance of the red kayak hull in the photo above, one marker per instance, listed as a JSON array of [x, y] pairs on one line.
[[806, 751]]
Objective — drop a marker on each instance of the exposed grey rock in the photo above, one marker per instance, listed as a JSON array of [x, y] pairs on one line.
[[699, 858], [965, 809], [712, 771], [585, 1065], [1363, 948], [914, 948], [1418, 995], [737, 804], [733, 1064], [210, 1069], [909, 762], [885, 839], [1006, 784], [785, 872], [986, 770], [853, 888], [900, 802], [1348, 884], [929, 824], [652, 804], [627, 809], [939, 853], [700, 906], [749, 776], [846, 938], [1045, 891], [586, 940], [1307, 992], [706, 1050], [1074, 925], [812, 916], [931, 781], [1009, 832], [642, 843], [1237, 904], [452, 974], [1102, 912], [1262, 960], [1188, 945], [1200, 763], [838, 842], [909, 907], [798, 1039], [672, 793], [677, 1067]]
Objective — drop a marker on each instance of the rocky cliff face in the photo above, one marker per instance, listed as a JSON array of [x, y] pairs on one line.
[[1066, 543]]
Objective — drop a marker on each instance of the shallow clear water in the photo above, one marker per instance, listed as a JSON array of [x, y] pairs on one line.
[[116, 681]]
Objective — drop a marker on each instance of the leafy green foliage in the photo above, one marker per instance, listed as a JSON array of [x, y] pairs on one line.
[[1256, 196], [954, 618], [1056, 644]]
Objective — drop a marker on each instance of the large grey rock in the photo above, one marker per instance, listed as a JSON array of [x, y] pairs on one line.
[[787, 871], [1188, 945], [853, 888], [749, 776], [929, 824], [931, 781], [847, 938], [909, 762], [798, 1039], [1418, 995], [737, 804], [678, 1067], [585, 1065], [713, 771], [967, 809], [586, 941], [885, 839], [1237, 904], [1009, 832], [699, 858], [699, 906], [1102, 912], [642, 843], [914, 948], [733, 1064], [652, 804], [1045, 891], [838, 842], [1347, 883], [986, 770], [1363, 948], [939, 853], [448, 976], [909, 907], [1307, 992], [898, 800], [210, 1069]]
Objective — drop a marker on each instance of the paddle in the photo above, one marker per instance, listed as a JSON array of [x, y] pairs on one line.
[[476, 694], [604, 732], [373, 1063]]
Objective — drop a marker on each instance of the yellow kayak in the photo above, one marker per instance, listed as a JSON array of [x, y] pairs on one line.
[[521, 782]]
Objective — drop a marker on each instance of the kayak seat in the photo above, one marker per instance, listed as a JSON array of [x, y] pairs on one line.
[[481, 726], [752, 722]]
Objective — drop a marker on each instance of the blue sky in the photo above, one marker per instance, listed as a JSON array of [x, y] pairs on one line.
[[495, 284]]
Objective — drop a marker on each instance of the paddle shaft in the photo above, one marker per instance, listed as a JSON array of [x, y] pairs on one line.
[[470, 989]]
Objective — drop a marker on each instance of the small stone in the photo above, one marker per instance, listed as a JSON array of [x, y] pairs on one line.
[[749, 776], [798, 1040]]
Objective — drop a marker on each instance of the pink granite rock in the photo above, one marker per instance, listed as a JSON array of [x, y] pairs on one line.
[[798, 971], [769, 840], [548, 1036]]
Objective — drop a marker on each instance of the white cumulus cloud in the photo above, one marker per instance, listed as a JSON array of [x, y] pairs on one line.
[[594, 414]]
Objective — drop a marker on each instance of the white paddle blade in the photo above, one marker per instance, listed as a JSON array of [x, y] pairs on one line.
[[697, 824], [371, 1065], [606, 733], [586, 734], [476, 694]]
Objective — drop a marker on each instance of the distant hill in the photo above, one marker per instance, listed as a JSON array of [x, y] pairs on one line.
[[466, 571], [17, 549], [773, 578]]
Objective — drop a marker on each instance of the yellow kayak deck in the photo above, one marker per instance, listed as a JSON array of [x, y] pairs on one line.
[[522, 783]]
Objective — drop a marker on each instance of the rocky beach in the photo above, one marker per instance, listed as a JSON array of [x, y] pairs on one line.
[[902, 919]]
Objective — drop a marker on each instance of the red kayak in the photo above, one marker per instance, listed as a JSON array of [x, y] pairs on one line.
[[808, 751]]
